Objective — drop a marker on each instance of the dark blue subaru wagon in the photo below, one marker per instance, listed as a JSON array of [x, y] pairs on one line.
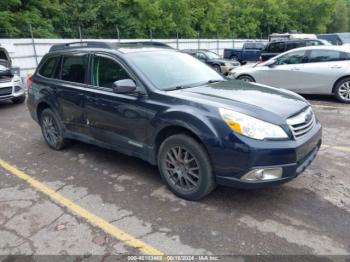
[[168, 108]]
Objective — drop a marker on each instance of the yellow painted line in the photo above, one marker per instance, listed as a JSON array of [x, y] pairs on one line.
[[340, 148], [93, 219], [331, 107]]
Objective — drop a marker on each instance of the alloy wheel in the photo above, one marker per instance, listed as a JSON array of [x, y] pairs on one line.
[[182, 169], [50, 130], [246, 79], [344, 91]]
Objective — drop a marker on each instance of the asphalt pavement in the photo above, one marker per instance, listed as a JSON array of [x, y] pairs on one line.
[[86, 201]]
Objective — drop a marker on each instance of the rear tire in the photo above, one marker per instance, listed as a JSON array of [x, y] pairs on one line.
[[19, 100], [52, 130], [185, 167], [246, 78], [342, 90]]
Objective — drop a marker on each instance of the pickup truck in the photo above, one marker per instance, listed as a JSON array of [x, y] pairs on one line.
[[249, 52]]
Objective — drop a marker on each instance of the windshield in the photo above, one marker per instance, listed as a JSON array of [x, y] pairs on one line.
[[211, 55], [169, 70]]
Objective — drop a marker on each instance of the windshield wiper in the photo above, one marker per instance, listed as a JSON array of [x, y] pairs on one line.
[[215, 81], [195, 84], [178, 87]]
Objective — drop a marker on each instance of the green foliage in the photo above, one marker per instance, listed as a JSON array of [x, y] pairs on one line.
[[167, 18], [340, 19]]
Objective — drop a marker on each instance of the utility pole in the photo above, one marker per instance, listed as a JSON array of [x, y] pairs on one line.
[[198, 42], [177, 40], [151, 35], [217, 43], [33, 44], [80, 36], [118, 34]]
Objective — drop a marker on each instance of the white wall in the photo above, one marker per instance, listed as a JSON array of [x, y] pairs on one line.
[[22, 51]]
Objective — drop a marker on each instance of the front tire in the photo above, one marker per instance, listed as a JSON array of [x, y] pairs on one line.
[[342, 90], [246, 78], [185, 167], [52, 130], [217, 69]]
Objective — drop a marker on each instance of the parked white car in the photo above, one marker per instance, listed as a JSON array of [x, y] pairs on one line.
[[11, 86], [307, 70]]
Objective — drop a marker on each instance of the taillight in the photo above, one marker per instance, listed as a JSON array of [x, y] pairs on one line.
[[261, 59], [29, 81]]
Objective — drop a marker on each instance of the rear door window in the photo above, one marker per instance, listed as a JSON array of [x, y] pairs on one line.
[[74, 68], [318, 56], [48, 68]]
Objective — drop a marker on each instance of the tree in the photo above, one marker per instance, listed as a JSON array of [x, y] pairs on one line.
[[166, 18], [340, 18]]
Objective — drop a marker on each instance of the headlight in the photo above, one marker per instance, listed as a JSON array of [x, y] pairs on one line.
[[227, 64], [250, 126]]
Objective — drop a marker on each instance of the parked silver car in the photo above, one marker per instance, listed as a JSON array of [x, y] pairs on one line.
[[307, 70], [11, 86]]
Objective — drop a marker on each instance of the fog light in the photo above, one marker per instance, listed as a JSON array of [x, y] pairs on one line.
[[18, 88], [263, 174]]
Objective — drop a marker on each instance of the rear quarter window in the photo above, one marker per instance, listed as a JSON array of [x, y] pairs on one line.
[[49, 66]]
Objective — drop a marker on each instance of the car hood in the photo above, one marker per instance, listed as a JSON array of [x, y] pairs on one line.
[[254, 99]]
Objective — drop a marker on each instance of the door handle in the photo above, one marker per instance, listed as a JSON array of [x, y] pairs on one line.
[[295, 69], [336, 67]]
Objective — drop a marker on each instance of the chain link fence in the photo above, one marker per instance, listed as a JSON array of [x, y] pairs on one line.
[[27, 52]]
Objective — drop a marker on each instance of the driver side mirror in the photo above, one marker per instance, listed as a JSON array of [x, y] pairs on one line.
[[271, 63], [124, 86]]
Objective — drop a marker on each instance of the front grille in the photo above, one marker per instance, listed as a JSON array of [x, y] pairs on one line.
[[302, 123], [6, 91], [5, 79]]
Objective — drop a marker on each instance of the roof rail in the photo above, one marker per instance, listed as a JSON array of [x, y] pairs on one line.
[[73, 45], [107, 45], [144, 43]]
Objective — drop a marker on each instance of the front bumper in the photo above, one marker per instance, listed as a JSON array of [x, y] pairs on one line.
[[226, 69], [10, 90], [292, 156], [12, 96]]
